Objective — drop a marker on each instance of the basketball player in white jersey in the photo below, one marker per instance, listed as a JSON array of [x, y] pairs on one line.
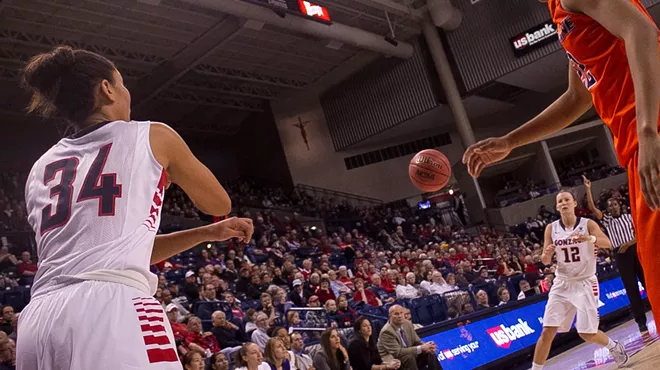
[[575, 240], [94, 202]]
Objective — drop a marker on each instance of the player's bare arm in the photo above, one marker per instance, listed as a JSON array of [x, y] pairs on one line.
[[590, 199], [185, 170], [559, 115], [168, 245], [624, 20], [548, 246]]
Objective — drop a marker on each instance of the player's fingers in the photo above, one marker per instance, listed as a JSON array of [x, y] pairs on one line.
[[473, 164], [655, 185], [645, 183], [480, 167], [471, 151]]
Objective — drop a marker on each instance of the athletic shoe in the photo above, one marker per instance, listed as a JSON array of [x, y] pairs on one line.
[[619, 354], [642, 328]]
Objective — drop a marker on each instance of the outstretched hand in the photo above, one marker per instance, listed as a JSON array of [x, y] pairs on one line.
[[240, 228], [484, 153]]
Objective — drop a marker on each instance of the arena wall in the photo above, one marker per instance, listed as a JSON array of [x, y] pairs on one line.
[[322, 166]]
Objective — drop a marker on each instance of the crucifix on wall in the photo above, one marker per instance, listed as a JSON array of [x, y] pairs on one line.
[[303, 132]]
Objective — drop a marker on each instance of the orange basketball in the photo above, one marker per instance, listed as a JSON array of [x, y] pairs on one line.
[[429, 170]]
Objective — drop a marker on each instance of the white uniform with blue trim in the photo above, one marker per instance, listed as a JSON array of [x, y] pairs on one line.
[[575, 290]]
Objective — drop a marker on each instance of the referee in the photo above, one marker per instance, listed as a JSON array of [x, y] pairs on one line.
[[620, 229]]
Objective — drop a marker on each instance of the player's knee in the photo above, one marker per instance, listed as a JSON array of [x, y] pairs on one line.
[[587, 337]]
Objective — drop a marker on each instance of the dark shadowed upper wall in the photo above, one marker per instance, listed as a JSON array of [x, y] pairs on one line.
[[255, 151]]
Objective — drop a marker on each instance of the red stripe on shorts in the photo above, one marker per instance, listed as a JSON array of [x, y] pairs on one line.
[[162, 355], [142, 304], [150, 318], [148, 311], [152, 328], [152, 339]]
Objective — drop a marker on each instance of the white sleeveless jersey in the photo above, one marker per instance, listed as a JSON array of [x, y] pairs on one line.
[[575, 260], [94, 202]]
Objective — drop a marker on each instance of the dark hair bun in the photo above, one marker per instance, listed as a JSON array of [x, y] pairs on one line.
[[43, 73]]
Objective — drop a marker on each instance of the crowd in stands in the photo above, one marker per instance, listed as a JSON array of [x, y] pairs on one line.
[[299, 295], [570, 174]]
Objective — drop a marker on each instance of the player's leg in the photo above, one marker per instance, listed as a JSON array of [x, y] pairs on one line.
[[586, 301], [647, 229], [543, 345], [628, 265], [558, 312], [32, 324]]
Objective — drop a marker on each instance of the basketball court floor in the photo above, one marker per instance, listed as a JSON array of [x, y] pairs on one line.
[[644, 351]]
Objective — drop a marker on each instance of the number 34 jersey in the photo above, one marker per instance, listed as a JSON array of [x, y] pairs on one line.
[[575, 260], [94, 202]]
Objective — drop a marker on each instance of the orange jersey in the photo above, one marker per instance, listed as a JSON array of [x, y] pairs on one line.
[[600, 59]]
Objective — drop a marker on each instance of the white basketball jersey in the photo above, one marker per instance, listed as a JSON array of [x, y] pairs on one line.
[[575, 260], [94, 202]]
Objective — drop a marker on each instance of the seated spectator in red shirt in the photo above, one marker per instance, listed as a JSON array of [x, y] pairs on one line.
[[324, 292], [530, 266], [365, 295], [307, 269], [344, 278], [26, 267], [180, 330], [198, 341]]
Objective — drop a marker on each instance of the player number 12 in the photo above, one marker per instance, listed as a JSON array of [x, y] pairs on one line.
[[573, 256]]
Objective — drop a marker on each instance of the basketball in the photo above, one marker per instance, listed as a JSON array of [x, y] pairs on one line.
[[429, 170]]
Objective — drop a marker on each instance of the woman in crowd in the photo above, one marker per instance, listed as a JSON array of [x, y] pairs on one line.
[[365, 295], [218, 362], [249, 357], [333, 355], [276, 355], [324, 292], [363, 352], [193, 360]]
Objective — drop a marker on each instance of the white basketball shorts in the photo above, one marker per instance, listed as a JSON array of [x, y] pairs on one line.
[[570, 297], [95, 325]]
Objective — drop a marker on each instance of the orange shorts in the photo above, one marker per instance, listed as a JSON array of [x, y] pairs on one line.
[[647, 229]]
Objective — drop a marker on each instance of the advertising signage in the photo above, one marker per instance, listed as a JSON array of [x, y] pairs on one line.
[[486, 340], [534, 38]]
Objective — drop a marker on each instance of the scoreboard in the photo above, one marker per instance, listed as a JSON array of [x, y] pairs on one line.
[[302, 8]]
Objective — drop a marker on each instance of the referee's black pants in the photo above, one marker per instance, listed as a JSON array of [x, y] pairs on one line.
[[631, 270]]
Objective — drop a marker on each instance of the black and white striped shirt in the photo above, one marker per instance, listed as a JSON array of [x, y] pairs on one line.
[[619, 229]]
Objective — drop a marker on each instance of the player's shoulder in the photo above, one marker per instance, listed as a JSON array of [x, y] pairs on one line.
[[161, 130]]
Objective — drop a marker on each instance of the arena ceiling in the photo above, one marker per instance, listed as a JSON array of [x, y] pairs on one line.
[[186, 64], [203, 70]]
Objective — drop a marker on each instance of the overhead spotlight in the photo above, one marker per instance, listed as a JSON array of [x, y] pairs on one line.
[[391, 40], [208, 245], [451, 191]]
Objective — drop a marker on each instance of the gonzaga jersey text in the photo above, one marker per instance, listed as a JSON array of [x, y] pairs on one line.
[[575, 260], [94, 202]]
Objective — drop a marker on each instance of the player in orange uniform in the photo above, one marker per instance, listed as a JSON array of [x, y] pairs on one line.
[[613, 46]]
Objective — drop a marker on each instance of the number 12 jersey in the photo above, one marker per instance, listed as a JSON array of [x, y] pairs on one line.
[[575, 260]]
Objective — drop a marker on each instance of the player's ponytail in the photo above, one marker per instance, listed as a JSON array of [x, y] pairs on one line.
[[62, 83]]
